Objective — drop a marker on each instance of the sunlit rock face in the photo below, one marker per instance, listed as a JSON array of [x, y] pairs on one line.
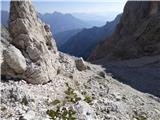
[[13, 63], [32, 52], [137, 34]]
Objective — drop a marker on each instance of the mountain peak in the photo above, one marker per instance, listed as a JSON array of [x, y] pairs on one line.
[[57, 13]]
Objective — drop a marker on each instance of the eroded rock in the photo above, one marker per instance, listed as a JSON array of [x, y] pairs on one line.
[[34, 39], [87, 113], [15, 59], [80, 64]]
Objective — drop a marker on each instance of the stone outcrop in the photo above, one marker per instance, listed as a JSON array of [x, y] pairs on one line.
[[137, 34], [15, 59], [31, 51], [13, 62], [80, 64]]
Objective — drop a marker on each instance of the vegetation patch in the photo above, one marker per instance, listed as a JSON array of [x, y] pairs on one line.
[[140, 116], [88, 99], [71, 96], [62, 114], [55, 102]]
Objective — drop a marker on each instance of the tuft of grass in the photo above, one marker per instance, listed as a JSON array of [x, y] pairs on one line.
[[140, 116], [88, 99], [53, 114], [55, 102], [62, 114], [71, 96], [69, 91]]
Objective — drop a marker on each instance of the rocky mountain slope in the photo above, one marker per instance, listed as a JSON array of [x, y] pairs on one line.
[[142, 73], [62, 37], [40, 83], [137, 34], [88, 38], [136, 41]]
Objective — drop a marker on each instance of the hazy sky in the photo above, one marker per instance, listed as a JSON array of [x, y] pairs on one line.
[[97, 7], [80, 6]]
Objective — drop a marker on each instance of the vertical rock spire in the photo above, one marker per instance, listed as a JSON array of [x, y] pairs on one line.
[[34, 40]]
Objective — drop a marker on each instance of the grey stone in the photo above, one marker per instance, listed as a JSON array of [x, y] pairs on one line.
[[15, 59], [80, 64], [34, 40]]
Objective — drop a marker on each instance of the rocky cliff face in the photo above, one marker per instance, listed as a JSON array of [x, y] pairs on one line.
[[137, 34], [31, 52]]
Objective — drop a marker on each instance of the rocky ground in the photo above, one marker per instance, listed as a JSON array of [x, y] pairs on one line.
[[84, 94], [142, 73]]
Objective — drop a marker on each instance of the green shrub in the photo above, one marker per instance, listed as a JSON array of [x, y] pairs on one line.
[[62, 114]]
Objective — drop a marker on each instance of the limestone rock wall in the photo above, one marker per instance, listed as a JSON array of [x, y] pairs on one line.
[[137, 34], [31, 51]]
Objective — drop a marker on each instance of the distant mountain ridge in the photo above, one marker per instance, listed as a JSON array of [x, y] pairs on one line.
[[63, 22], [82, 44], [62, 26]]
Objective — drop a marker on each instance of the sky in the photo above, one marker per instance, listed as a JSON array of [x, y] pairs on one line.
[[99, 8]]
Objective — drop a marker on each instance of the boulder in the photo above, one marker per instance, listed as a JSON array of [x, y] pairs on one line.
[[15, 59], [86, 111], [13, 63], [80, 64]]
